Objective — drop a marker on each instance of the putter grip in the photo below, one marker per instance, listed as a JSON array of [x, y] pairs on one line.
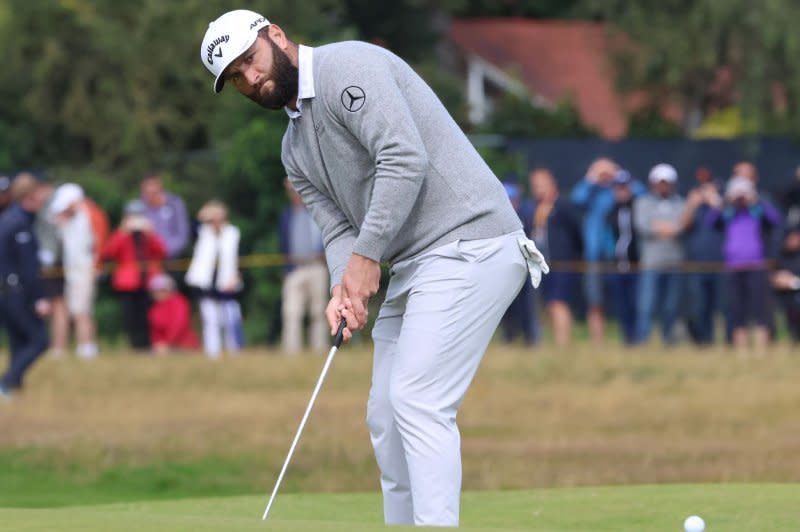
[[337, 341]]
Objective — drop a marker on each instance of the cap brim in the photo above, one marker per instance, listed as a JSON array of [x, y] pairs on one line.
[[219, 83]]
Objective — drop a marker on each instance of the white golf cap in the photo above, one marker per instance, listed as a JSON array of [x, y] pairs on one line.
[[227, 38], [65, 196], [663, 172]]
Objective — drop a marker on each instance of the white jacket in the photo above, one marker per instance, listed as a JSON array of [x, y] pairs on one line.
[[215, 250]]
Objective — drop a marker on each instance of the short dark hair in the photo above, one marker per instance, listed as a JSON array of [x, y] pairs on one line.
[[264, 34]]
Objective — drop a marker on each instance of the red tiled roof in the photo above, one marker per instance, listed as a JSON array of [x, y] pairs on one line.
[[555, 59]]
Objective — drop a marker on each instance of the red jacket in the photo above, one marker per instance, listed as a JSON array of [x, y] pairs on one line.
[[120, 248], [171, 323]]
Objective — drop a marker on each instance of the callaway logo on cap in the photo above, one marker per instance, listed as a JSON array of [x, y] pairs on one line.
[[227, 38]]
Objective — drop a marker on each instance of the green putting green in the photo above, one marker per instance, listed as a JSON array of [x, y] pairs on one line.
[[747, 507]]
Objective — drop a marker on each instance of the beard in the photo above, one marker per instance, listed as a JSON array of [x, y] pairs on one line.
[[284, 76]]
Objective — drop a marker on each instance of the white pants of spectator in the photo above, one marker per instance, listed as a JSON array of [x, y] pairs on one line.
[[221, 318], [305, 290], [440, 313]]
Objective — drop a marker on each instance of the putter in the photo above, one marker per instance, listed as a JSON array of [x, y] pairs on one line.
[[337, 341]]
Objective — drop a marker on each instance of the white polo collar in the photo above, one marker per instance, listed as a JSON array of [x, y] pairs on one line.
[[305, 81]]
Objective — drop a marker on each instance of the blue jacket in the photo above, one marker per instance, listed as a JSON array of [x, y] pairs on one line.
[[19, 262], [596, 201]]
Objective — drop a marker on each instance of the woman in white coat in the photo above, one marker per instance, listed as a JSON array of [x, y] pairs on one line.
[[214, 273]]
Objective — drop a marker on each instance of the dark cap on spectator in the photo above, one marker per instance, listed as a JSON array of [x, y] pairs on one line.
[[622, 177]]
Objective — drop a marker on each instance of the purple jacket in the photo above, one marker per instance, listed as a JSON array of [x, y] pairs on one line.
[[744, 240], [171, 224]]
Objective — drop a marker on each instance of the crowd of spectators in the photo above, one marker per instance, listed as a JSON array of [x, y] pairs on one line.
[[75, 247], [721, 260]]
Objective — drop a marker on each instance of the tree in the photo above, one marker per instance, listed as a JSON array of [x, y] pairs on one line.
[[119, 84], [517, 117], [707, 55], [515, 8]]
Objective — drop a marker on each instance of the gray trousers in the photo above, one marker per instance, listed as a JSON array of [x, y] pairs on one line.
[[440, 313]]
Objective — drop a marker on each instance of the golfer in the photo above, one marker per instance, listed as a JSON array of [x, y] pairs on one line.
[[389, 176]]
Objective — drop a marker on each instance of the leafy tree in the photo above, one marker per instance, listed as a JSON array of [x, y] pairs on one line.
[[517, 117], [119, 84], [710, 54], [648, 122], [516, 8]]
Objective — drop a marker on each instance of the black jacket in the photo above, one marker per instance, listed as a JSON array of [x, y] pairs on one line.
[[620, 219], [19, 262]]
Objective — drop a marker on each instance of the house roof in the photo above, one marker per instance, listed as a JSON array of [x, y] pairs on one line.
[[555, 60]]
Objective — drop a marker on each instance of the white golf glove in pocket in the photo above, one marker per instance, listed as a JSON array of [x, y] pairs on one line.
[[536, 263]]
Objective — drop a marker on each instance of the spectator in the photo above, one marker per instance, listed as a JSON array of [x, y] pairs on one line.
[[657, 216], [703, 254], [5, 201], [77, 239], [555, 226], [214, 273], [520, 317], [745, 221], [790, 200], [22, 300], [305, 284], [786, 279], [5, 192], [750, 171], [595, 196], [98, 221], [137, 251], [170, 318], [52, 270], [167, 215], [626, 255]]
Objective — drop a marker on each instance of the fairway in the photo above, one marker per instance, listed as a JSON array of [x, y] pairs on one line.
[[747, 507]]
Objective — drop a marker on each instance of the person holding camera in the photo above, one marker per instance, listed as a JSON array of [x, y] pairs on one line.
[[137, 251], [746, 222]]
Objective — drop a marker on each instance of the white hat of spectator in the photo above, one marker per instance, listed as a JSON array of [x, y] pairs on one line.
[[663, 172], [65, 197]]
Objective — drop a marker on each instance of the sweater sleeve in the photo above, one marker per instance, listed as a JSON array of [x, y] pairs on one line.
[[362, 93]]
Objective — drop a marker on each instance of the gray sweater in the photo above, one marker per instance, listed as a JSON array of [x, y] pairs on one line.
[[658, 253], [381, 165]]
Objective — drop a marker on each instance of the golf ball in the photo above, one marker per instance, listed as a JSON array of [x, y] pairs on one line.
[[694, 523]]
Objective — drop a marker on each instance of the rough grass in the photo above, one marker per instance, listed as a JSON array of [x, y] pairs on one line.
[[125, 427]]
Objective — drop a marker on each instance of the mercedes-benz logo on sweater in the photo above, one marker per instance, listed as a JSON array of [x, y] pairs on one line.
[[353, 98]]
